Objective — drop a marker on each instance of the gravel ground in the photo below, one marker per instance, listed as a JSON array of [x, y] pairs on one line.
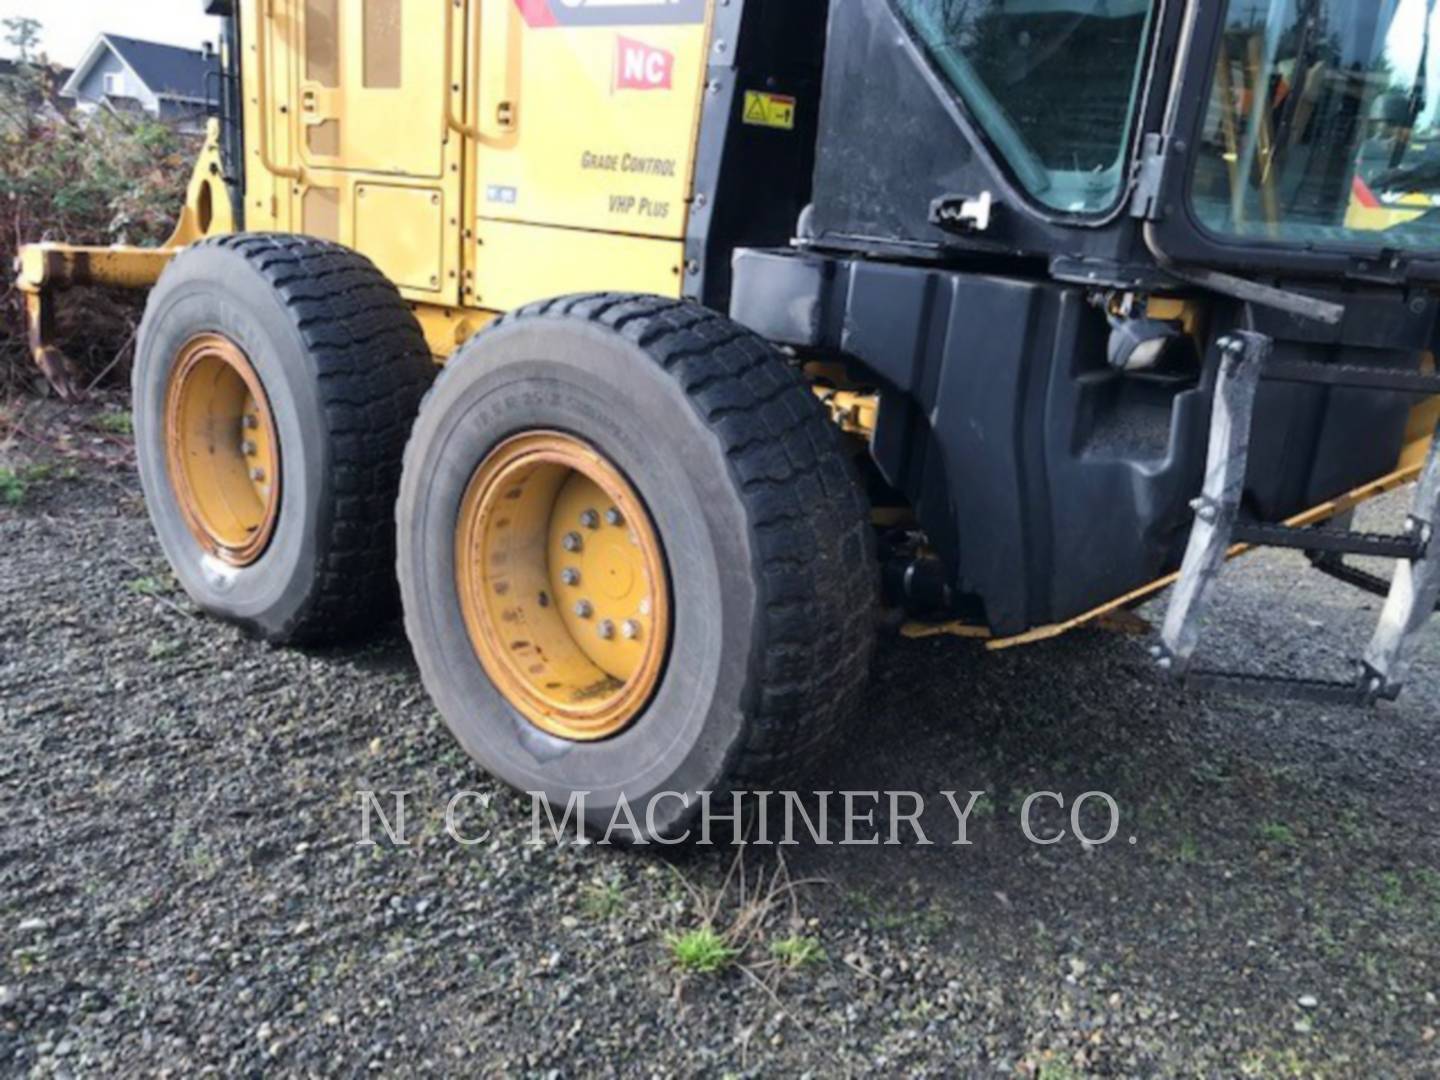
[[181, 889]]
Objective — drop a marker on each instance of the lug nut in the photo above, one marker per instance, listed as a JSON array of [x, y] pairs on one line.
[[257, 475], [584, 609], [572, 542], [631, 629], [248, 448], [570, 576], [614, 517], [645, 606], [590, 519], [606, 629], [251, 421]]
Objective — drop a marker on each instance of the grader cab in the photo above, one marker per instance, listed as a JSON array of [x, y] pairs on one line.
[[658, 348]]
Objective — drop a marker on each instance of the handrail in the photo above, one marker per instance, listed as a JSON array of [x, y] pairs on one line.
[[262, 82], [451, 120]]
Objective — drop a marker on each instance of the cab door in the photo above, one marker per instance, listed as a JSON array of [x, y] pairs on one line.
[[379, 172], [372, 89]]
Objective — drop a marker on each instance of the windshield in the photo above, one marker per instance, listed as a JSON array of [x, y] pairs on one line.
[[1053, 84], [1322, 124]]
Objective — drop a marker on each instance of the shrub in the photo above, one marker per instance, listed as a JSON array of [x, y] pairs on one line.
[[96, 179]]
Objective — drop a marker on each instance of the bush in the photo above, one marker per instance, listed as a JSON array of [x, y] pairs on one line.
[[97, 179]]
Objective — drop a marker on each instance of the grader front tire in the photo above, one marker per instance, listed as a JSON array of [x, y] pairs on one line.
[[276, 381], [691, 436]]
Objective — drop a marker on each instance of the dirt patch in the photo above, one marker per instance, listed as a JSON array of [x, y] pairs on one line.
[[180, 885]]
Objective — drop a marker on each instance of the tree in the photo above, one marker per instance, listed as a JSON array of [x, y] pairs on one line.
[[22, 35]]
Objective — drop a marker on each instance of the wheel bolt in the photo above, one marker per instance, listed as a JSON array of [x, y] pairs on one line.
[[257, 475], [614, 517], [590, 519], [606, 629], [572, 542], [247, 448], [570, 576], [631, 629], [251, 421], [584, 609]]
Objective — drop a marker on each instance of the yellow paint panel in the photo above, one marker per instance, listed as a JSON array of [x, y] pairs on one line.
[[447, 328], [1423, 422], [321, 213], [384, 45], [322, 42], [602, 123], [511, 272], [412, 256], [323, 139]]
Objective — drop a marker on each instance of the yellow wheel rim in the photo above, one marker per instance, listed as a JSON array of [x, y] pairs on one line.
[[563, 586], [222, 450]]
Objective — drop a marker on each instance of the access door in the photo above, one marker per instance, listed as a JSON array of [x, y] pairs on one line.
[[372, 89], [367, 121]]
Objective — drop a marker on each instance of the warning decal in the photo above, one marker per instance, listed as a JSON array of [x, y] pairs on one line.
[[769, 110]]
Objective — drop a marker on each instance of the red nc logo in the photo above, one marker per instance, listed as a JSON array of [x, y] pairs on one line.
[[642, 67]]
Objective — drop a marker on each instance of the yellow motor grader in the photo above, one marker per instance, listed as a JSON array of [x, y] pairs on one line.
[[653, 353]]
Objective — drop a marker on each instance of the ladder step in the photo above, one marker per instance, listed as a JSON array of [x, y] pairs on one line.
[[1411, 599], [1342, 543], [1352, 375], [1354, 693], [1334, 566]]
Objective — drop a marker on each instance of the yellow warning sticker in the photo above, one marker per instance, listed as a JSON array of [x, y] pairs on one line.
[[770, 110]]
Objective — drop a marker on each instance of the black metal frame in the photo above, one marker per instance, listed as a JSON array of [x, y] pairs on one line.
[[1176, 235], [1140, 122], [227, 104]]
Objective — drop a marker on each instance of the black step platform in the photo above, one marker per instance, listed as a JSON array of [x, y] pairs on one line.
[[1411, 598], [1343, 543], [1352, 375], [1284, 688]]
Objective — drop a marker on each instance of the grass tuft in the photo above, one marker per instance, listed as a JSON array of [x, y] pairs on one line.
[[13, 487], [601, 900], [115, 423], [16, 484], [797, 951], [1275, 832], [702, 951]]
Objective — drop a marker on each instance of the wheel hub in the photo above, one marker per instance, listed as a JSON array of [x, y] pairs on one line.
[[222, 450], [563, 585]]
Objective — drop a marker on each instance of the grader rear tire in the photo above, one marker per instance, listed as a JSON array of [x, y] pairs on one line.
[[276, 380], [634, 558]]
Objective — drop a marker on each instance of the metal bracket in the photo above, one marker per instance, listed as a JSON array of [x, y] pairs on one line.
[[1149, 177], [963, 213]]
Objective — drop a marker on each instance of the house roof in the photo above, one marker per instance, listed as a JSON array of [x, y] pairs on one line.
[[167, 70]]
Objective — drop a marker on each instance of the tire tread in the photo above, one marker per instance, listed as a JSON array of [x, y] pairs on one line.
[[812, 545], [373, 369]]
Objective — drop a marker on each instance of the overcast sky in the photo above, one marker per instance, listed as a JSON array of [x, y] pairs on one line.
[[71, 25]]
